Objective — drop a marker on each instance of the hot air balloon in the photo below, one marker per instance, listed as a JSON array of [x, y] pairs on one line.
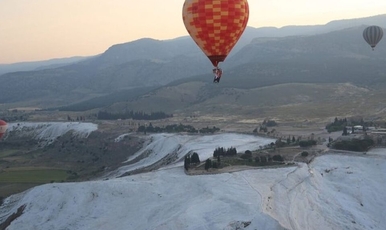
[[372, 35], [215, 26], [3, 128]]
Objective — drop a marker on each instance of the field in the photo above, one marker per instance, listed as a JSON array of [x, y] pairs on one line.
[[24, 165], [19, 179], [29, 175]]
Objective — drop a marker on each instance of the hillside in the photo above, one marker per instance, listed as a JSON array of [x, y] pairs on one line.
[[292, 101], [153, 63], [320, 76], [101, 75], [39, 65]]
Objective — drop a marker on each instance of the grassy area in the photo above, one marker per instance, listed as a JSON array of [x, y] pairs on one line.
[[24, 165], [16, 180], [22, 175], [7, 189], [232, 161], [8, 152]]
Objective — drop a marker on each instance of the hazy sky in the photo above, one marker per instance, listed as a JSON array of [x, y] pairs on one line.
[[33, 30]]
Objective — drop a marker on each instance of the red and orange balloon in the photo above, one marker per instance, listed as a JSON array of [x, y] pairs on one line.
[[215, 25], [3, 128]]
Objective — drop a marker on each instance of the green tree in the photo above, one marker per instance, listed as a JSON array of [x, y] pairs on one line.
[[231, 151], [277, 158], [344, 131], [279, 143], [195, 158], [247, 155], [208, 164], [187, 162]]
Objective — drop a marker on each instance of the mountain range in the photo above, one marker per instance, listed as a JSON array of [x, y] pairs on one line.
[[279, 66]]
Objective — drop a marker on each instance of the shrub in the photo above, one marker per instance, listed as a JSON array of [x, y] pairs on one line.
[[263, 159], [269, 123], [277, 158], [279, 143], [307, 143], [208, 164], [304, 154], [247, 155]]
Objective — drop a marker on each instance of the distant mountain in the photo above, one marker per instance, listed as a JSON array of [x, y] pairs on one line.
[[286, 31], [39, 65], [147, 49], [345, 43], [336, 71], [152, 63]]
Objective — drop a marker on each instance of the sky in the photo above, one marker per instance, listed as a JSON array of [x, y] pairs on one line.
[[33, 30]]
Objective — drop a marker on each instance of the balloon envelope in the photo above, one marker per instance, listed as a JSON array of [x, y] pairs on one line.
[[215, 25], [372, 35], [3, 128]]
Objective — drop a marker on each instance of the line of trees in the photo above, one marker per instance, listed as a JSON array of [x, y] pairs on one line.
[[104, 115], [337, 125], [221, 151], [211, 164], [340, 124], [209, 130], [174, 128]]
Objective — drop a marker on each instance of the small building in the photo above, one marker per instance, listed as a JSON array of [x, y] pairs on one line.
[[358, 128]]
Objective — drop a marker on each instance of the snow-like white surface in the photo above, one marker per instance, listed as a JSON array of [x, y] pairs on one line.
[[333, 192], [47, 132], [168, 200], [159, 146]]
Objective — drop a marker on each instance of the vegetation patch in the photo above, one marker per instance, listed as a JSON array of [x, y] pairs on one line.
[[7, 152], [104, 115], [25, 164], [20, 175], [7, 189], [175, 128], [354, 144], [223, 158], [307, 143]]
